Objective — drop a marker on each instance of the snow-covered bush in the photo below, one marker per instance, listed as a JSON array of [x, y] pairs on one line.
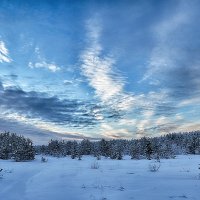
[[43, 159], [98, 157], [148, 150], [1, 175], [95, 165], [154, 167]]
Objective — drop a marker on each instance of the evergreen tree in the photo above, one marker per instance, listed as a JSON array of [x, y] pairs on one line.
[[96, 150], [135, 150], [79, 151], [16, 147], [148, 150], [86, 147], [104, 148], [74, 150], [116, 150], [54, 148], [24, 151], [193, 145]]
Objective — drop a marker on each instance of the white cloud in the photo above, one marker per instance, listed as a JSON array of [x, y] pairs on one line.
[[68, 82], [50, 66], [4, 53], [98, 69], [127, 122], [189, 126], [162, 120], [110, 131], [189, 101], [148, 113]]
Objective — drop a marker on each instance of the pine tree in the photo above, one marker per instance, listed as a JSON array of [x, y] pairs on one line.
[[96, 150], [104, 148], [79, 152], [24, 150], [193, 145], [74, 150], [116, 150], [135, 151], [54, 148], [86, 147], [16, 147], [148, 150]]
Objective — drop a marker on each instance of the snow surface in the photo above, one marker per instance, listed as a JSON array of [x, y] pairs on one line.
[[67, 179]]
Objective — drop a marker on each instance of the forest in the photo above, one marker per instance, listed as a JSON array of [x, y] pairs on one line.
[[19, 148]]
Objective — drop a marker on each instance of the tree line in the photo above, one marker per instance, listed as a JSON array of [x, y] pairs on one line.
[[20, 148], [166, 146]]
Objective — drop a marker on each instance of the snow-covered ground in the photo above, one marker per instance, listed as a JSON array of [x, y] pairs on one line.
[[67, 179]]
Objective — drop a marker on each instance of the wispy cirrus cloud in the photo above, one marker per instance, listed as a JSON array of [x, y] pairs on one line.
[[4, 53], [108, 84]]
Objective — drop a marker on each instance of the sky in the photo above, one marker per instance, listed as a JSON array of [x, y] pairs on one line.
[[99, 69]]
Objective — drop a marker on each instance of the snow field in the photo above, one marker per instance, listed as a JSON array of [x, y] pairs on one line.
[[67, 179]]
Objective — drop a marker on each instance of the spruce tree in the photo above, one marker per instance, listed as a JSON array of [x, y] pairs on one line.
[[148, 150]]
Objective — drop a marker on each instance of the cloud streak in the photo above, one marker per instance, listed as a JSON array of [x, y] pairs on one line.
[[108, 84], [4, 53]]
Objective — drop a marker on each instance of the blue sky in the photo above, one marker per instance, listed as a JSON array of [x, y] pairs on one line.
[[112, 69]]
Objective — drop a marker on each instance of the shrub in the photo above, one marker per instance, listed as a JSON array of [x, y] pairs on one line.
[[95, 165], [43, 160], [98, 157], [1, 175], [154, 167]]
